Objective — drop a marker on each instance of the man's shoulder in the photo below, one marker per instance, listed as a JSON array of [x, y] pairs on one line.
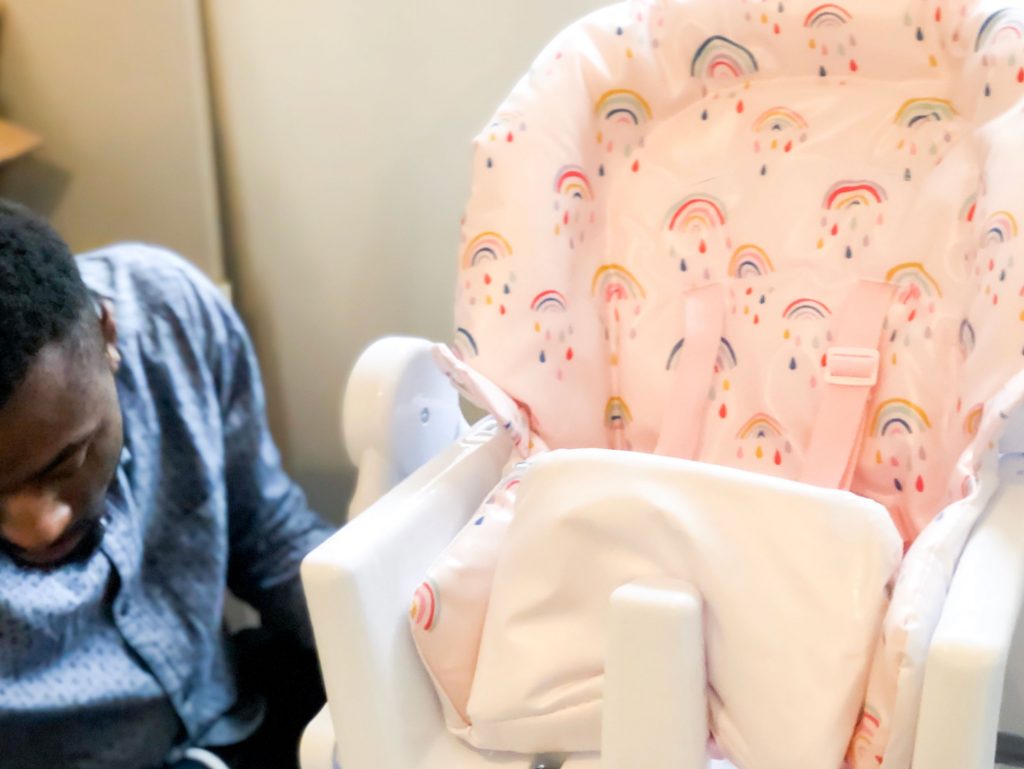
[[147, 282]]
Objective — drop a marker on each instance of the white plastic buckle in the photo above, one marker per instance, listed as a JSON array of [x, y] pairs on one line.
[[853, 366]]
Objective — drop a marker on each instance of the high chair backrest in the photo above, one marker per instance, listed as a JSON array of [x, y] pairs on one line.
[[777, 236]]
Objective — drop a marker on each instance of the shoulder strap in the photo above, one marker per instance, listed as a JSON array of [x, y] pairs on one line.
[[851, 372]]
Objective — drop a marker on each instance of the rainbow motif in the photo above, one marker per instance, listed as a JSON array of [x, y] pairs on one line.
[[617, 414], [549, 301], [899, 416], [614, 282], [849, 193], [726, 358], [999, 228], [760, 426], [621, 105], [806, 309], [718, 56], [779, 119], [966, 337], [1005, 24], [750, 261], [464, 345], [865, 733], [485, 247], [426, 607], [696, 212], [827, 15], [505, 117], [973, 419], [673, 355], [913, 273], [916, 111], [572, 182]]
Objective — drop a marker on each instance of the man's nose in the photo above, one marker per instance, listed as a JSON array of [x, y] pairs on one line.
[[34, 520]]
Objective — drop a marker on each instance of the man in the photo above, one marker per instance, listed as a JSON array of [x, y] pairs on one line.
[[138, 480]]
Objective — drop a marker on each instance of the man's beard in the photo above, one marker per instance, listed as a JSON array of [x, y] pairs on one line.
[[91, 531]]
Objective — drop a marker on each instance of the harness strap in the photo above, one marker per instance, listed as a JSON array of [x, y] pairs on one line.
[[851, 372]]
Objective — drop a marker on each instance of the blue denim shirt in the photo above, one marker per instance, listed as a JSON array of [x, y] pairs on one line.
[[121, 660]]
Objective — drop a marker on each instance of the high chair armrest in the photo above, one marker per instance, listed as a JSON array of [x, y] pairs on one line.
[[966, 664], [399, 411], [359, 585]]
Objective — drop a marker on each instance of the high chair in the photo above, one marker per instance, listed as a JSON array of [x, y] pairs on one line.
[[738, 282]]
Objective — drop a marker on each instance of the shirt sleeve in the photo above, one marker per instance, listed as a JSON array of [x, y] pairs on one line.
[[271, 527]]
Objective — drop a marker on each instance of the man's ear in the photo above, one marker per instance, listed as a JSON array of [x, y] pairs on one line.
[[108, 326]]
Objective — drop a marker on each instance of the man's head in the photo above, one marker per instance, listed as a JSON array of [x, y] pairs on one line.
[[60, 420]]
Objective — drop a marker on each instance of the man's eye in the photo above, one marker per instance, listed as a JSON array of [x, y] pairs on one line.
[[69, 466]]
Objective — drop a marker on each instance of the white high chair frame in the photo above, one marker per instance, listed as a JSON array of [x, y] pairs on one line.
[[382, 713]]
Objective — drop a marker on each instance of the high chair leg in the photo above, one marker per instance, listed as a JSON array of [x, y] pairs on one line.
[[655, 708]]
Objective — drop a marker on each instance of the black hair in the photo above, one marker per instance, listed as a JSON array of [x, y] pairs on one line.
[[43, 298]]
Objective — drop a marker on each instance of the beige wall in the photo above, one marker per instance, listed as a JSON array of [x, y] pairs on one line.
[[346, 131], [118, 89]]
